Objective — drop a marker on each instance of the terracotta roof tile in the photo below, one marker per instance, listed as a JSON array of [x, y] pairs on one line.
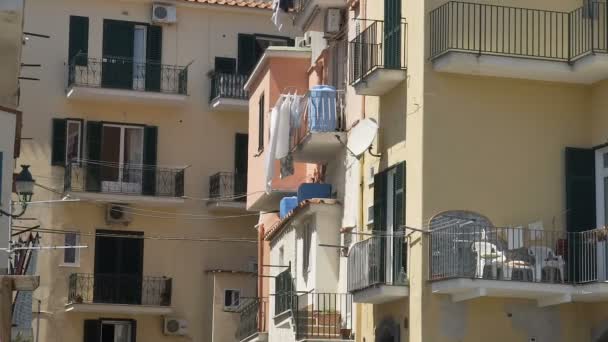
[[262, 4], [277, 227]]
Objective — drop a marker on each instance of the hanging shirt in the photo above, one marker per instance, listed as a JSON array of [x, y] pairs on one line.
[[282, 148], [272, 144]]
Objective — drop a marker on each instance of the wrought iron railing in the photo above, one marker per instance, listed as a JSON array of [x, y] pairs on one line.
[[378, 46], [284, 298], [125, 179], [519, 254], [119, 289], [228, 186], [324, 316], [378, 260], [520, 32], [252, 318], [323, 114], [125, 73], [224, 85]]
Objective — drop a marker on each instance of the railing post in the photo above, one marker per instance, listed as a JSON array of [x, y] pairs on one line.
[[480, 28]]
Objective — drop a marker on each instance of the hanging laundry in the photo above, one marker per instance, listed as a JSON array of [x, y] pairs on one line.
[[296, 111], [280, 17], [282, 148], [272, 144], [287, 168]]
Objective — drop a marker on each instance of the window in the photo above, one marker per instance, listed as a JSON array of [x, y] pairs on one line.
[[71, 256], [261, 124], [591, 9], [251, 47], [67, 141], [79, 40], [232, 299], [307, 242], [73, 140], [370, 216], [110, 330], [122, 145]]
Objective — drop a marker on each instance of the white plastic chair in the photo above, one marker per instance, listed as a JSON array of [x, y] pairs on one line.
[[487, 254], [544, 257]]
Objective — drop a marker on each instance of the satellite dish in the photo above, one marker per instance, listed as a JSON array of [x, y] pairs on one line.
[[362, 136]]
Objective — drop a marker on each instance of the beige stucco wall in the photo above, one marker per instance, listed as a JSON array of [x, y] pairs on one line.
[[188, 135], [225, 322]]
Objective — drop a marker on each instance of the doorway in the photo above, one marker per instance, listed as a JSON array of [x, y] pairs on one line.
[[122, 158]]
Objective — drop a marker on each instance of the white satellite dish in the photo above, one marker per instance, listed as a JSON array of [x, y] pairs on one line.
[[362, 136]]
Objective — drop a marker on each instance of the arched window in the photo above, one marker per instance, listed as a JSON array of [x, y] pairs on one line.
[[388, 331]]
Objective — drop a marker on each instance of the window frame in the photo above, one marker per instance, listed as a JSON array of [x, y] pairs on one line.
[[76, 262], [115, 322], [79, 150], [232, 291]]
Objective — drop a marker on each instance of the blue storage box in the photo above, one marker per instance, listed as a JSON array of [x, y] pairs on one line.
[[287, 204], [322, 109], [313, 190]]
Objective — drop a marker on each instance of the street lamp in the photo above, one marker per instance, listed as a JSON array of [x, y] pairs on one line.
[[24, 186]]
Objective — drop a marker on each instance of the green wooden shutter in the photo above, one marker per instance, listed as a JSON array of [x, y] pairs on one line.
[[154, 59], [79, 40], [150, 160], [93, 170], [117, 65], [580, 189], [241, 146], [92, 330], [392, 34], [59, 142], [133, 330], [380, 184], [247, 60], [399, 243], [261, 113]]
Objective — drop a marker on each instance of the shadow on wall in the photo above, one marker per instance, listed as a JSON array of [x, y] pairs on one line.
[[393, 118], [388, 331]]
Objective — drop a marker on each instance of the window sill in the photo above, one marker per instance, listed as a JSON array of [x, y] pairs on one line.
[[69, 265]]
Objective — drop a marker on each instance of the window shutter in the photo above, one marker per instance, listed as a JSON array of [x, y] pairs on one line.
[[79, 40], [59, 141], [380, 184], [247, 60], [150, 151], [117, 65], [154, 56], [92, 330], [399, 243], [93, 171], [133, 330], [580, 189], [261, 113]]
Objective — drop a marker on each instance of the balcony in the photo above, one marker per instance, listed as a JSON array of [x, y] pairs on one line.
[[125, 80], [119, 294], [124, 183], [227, 191], [551, 267], [377, 272], [379, 57], [309, 14], [320, 132], [501, 41], [252, 323], [228, 93]]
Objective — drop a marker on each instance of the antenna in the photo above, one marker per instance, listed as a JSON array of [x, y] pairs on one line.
[[362, 136]]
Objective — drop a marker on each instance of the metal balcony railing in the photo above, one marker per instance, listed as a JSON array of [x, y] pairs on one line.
[[124, 73], [519, 254], [124, 179], [519, 32], [229, 86], [228, 186], [378, 260], [324, 316], [119, 289], [319, 115], [252, 318], [378, 46]]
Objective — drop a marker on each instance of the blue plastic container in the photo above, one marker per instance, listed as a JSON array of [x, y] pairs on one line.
[[322, 109], [287, 204], [307, 191]]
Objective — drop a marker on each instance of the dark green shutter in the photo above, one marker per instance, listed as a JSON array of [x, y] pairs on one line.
[[580, 189], [241, 146], [392, 34], [93, 170], [92, 330], [79, 40], [247, 59], [150, 160], [117, 64], [154, 58], [261, 113], [380, 189], [59, 142], [133, 330], [399, 242]]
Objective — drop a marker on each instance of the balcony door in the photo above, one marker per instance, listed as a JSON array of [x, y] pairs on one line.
[[241, 144], [118, 53], [392, 34], [118, 268], [139, 57], [122, 158]]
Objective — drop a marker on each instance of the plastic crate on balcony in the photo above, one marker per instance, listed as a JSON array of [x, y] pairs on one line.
[[307, 191]]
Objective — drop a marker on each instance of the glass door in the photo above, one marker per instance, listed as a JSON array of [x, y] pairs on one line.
[[122, 158], [139, 57]]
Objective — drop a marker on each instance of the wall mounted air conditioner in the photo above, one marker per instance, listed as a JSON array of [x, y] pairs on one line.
[[175, 327], [117, 213], [333, 20], [164, 14]]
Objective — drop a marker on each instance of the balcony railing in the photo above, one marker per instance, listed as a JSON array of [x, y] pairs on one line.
[[252, 318], [378, 260], [127, 74], [123, 179], [518, 254], [322, 113], [378, 46], [119, 289], [228, 186], [285, 288], [230, 86], [324, 316], [520, 32]]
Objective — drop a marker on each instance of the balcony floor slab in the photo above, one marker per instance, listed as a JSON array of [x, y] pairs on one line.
[[93, 94], [228, 206], [122, 198], [319, 147], [588, 69], [379, 294], [380, 81], [120, 309], [224, 104]]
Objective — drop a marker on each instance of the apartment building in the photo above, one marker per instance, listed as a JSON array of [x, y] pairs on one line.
[[137, 133]]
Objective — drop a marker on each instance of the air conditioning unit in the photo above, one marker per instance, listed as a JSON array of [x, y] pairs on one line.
[[164, 14], [333, 21], [304, 42], [117, 214], [175, 326]]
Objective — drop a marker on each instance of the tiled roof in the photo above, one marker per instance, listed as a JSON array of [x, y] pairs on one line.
[[263, 4], [276, 228]]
